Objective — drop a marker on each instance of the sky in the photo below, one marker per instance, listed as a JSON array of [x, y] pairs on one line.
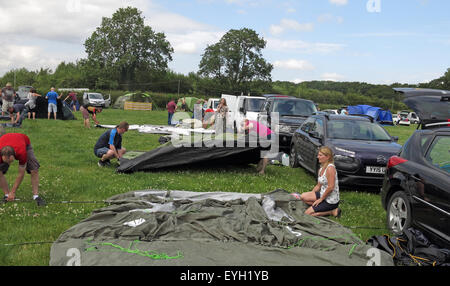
[[373, 41]]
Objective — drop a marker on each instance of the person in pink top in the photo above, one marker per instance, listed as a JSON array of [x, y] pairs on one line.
[[171, 107], [263, 132]]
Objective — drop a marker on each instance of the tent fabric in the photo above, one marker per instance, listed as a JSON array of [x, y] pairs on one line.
[[64, 112], [378, 114], [181, 228], [140, 97], [412, 248], [209, 152], [190, 102]]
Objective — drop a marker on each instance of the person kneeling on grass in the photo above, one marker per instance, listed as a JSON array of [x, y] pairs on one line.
[[16, 146], [324, 197], [109, 145]]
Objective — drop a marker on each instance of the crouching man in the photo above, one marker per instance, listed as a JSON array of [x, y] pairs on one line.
[[109, 145], [16, 146]]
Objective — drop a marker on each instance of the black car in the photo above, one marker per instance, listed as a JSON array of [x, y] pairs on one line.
[[291, 111], [416, 187], [361, 147]]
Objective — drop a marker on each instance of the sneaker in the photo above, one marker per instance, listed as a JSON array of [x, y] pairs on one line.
[[4, 200], [101, 163], [107, 162], [40, 202]]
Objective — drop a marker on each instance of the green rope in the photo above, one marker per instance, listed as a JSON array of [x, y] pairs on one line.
[[147, 253]]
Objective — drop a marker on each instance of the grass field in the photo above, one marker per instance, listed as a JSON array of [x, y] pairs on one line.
[[69, 172]]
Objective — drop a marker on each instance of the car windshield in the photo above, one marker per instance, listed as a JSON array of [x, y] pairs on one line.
[[95, 96], [289, 107], [356, 130], [24, 88], [254, 104], [216, 103]]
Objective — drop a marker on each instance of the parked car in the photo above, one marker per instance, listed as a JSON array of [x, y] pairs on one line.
[[415, 189], [96, 99], [361, 147], [402, 119], [331, 111], [411, 116], [22, 94], [292, 111]]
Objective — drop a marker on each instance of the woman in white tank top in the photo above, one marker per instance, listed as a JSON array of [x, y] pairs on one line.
[[324, 197]]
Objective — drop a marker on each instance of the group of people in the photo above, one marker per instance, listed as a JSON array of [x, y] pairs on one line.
[[323, 199], [17, 146]]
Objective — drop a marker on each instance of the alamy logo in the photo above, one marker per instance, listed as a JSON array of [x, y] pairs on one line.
[[373, 6]]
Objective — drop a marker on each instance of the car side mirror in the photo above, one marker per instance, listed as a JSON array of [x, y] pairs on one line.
[[315, 134], [395, 138]]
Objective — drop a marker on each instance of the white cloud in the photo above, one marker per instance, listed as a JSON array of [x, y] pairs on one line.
[[332, 76], [193, 42], [297, 80], [293, 64], [57, 28], [302, 46], [30, 57], [289, 24], [326, 18], [339, 2]]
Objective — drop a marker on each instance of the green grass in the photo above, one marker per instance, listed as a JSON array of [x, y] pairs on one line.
[[69, 172]]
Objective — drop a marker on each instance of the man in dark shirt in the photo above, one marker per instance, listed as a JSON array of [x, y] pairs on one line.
[[109, 145]]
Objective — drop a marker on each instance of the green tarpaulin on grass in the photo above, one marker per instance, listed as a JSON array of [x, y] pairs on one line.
[[180, 228]]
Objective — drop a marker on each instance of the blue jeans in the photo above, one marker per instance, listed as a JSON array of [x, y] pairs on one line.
[[169, 121]]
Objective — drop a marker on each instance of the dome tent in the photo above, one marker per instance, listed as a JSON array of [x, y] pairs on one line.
[[377, 113], [134, 96]]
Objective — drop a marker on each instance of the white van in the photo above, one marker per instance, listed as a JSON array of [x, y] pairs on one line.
[[212, 103], [96, 99], [243, 107]]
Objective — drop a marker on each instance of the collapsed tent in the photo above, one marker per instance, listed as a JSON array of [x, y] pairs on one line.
[[180, 228], [378, 114], [202, 152], [163, 129]]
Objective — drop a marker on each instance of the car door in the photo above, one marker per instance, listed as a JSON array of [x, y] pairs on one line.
[[315, 142], [432, 188], [306, 148]]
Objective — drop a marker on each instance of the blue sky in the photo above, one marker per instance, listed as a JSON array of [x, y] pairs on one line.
[[406, 41]]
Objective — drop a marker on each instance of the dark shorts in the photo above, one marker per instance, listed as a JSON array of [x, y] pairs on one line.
[[32, 162], [101, 151], [324, 206]]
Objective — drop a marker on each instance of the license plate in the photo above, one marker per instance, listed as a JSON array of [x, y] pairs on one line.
[[375, 170]]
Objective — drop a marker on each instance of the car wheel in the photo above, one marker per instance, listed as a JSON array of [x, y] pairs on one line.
[[398, 213], [293, 162]]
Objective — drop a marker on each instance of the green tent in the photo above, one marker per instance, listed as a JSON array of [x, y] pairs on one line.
[[190, 102], [181, 228], [135, 97]]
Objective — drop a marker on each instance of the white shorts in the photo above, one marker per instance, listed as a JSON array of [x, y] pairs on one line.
[[52, 107]]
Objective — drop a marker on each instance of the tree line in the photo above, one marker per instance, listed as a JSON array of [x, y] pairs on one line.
[[123, 54]]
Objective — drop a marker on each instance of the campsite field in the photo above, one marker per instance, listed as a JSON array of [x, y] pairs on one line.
[[74, 185]]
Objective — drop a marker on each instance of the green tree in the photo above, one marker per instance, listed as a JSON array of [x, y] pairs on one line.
[[237, 60], [123, 46]]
